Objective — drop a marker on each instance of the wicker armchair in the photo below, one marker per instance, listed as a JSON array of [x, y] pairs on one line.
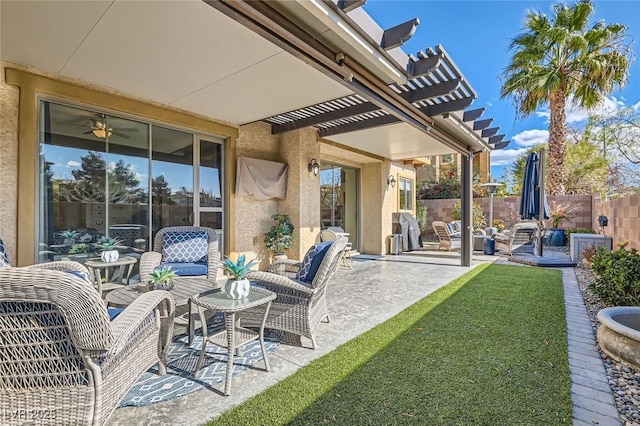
[[448, 240], [151, 260], [61, 360], [519, 235], [299, 307]]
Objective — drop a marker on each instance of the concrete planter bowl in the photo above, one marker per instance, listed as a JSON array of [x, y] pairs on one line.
[[619, 334]]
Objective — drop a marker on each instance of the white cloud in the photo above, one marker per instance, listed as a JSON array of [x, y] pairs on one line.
[[529, 138], [72, 163], [505, 157], [576, 114], [489, 103]]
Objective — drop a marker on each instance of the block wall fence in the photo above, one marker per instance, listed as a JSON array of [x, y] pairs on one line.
[[624, 223]]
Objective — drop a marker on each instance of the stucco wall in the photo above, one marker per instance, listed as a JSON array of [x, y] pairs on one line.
[[253, 217], [8, 164], [302, 204], [624, 220]]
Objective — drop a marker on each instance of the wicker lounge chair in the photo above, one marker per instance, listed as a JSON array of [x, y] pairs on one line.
[[448, 240], [299, 306], [519, 235], [207, 268], [61, 358]]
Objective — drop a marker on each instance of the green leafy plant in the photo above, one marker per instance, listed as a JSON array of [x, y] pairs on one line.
[[237, 270], [617, 276], [421, 217], [279, 238], [108, 243], [69, 236], [570, 231], [499, 224], [79, 249], [479, 221], [162, 275]]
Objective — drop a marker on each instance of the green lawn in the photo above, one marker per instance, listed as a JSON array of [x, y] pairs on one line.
[[488, 349]]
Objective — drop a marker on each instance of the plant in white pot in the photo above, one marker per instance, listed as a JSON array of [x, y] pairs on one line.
[[108, 247], [162, 278], [237, 286]]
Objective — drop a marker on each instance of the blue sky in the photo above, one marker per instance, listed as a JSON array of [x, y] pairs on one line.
[[476, 34]]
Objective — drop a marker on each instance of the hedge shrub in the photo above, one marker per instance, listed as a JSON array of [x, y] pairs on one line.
[[617, 276]]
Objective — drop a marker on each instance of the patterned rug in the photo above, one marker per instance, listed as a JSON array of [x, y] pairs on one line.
[[182, 359]]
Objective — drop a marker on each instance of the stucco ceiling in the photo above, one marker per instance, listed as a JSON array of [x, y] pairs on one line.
[[184, 54]]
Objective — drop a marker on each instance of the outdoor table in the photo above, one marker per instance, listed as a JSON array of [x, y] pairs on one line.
[[233, 336], [183, 289], [96, 265]]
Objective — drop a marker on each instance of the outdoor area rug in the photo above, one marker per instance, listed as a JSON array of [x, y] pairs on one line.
[[182, 359]]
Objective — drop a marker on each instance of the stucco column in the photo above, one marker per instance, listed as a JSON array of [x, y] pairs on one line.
[[302, 204], [9, 96]]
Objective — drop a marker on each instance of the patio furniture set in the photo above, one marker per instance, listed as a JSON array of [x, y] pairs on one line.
[[509, 241], [70, 357]]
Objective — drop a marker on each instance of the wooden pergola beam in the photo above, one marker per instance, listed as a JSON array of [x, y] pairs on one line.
[[486, 133], [358, 125], [472, 114], [398, 35], [482, 124]]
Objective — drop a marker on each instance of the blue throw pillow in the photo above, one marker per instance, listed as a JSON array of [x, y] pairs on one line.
[[320, 251], [180, 247], [114, 312]]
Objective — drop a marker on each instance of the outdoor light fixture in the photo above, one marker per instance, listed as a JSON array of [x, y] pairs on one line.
[[603, 221], [314, 167], [391, 181]]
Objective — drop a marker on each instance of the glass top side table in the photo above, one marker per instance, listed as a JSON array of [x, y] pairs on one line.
[[96, 265], [233, 336]]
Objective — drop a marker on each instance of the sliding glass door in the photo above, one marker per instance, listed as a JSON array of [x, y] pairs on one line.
[[339, 193], [105, 175]]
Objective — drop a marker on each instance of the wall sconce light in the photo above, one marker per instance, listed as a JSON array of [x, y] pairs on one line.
[[391, 181], [314, 167]]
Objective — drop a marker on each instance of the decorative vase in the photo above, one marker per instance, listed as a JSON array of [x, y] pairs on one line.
[[109, 255], [161, 285], [557, 237], [237, 289]]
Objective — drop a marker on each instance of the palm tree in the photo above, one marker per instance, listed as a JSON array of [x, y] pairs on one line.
[[558, 58]]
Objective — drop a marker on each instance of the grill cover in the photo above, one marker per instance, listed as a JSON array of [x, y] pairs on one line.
[[407, 225]]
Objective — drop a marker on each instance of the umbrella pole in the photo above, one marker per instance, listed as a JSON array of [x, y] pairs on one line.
[[541, 178]]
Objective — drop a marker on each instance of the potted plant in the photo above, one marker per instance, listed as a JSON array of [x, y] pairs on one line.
[[237, 286], [108, 246], [162, 278], [69, 237], [278, 239], [559, 213], [79, 250]]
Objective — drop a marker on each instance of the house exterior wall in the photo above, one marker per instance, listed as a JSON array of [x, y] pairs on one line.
[[9, 104], [246, 219], [31, 85]]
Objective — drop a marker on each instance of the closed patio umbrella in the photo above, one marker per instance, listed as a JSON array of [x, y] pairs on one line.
[[532, 190]]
